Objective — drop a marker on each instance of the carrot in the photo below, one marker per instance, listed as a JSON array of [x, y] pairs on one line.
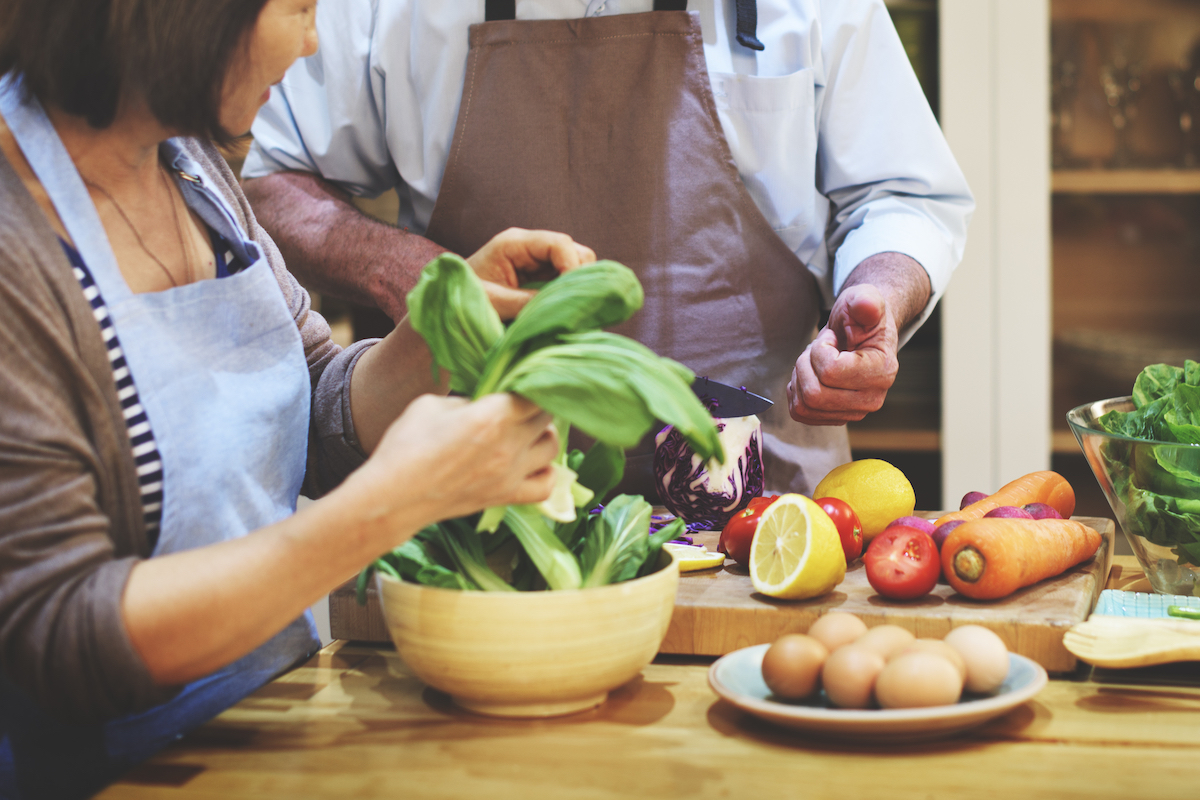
[[1036, 487], [989, 558]]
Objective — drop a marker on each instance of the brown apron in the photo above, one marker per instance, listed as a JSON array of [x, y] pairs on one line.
[[605, 128]]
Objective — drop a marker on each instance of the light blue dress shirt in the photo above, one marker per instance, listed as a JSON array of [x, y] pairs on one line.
[[828, 125]]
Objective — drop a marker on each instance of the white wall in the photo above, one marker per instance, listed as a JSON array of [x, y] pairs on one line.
[[996, 314]]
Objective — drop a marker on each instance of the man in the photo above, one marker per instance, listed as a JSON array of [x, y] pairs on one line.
[[747, 187]]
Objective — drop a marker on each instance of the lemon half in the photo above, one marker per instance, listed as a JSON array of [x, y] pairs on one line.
[[796, 552]]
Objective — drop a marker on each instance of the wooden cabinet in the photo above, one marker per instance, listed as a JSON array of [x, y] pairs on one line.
[[1125, 188], [1077, 123], [1125, 114]]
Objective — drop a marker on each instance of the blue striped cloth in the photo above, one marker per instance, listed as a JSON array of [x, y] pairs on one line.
[[1116, 603]]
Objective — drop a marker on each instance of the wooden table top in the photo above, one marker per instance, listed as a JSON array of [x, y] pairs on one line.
[[354, 722]]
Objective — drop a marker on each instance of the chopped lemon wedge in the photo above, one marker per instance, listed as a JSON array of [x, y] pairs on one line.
[[796, 552], [693, 557]]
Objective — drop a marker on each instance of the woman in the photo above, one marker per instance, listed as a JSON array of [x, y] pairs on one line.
[[168, 392]]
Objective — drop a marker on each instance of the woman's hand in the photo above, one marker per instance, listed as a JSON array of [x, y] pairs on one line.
[[518, 253], [447, 457]]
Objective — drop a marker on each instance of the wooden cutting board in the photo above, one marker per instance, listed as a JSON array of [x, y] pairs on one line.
[[717, 611]]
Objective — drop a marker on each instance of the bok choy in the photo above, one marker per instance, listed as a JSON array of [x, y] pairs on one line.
[[610, 387]]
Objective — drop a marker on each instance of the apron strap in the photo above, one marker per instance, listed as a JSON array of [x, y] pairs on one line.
[[499, 9], [747, 16], [747, 21]]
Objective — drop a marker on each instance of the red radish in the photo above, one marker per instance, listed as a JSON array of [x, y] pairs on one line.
[[942, 531], [1036, 487], [971, 497], [1042, 511], [914, 522], [1009, 512]]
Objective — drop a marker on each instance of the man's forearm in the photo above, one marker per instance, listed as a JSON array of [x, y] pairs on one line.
[[333, 247], [903, 282]]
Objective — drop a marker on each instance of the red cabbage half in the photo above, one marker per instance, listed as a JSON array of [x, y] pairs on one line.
[[706, 496]]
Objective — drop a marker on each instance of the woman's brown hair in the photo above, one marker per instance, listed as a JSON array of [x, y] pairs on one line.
[[81, 55]]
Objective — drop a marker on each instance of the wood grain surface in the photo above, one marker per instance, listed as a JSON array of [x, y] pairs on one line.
[[354, 722], [717, 611]]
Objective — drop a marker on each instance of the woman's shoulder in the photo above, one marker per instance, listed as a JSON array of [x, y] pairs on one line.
[[208, 159], [314, 331]]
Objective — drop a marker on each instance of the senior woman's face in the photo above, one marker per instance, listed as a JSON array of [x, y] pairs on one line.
[[285, 30]]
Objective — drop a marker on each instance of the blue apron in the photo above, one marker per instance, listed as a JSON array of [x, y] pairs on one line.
[[220, 370]]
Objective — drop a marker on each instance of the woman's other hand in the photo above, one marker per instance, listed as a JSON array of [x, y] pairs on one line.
[[447, 457], [516, 256]]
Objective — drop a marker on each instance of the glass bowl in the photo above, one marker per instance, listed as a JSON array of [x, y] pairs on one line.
[[1154, 490]]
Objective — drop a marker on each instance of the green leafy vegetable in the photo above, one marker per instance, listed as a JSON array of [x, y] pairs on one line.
[[672, 530], [592, 297], [458, 539], [572, 359], [613, 389], [610, 387], [591, 550], [615, 550], [552, 558], [450, 310], [1158, 481]]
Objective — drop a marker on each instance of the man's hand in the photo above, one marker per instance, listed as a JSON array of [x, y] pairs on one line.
[[517, 256], [846, 371]]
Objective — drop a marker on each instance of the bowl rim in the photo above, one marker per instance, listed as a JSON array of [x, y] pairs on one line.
[[667, 567], [1077, 428]]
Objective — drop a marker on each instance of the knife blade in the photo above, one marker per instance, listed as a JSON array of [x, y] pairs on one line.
[[728, 401]]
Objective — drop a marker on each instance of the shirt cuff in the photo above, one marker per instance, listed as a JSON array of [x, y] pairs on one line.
[[910, 234]]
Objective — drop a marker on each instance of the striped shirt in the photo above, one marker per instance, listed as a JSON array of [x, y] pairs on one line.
[[146, 457]]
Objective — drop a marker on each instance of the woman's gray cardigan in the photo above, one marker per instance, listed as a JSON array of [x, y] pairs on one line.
[[71, 524]]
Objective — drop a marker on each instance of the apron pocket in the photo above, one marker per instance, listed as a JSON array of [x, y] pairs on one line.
[[770, 124]]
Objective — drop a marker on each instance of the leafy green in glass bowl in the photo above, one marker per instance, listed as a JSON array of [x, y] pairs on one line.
[[1145, 453]]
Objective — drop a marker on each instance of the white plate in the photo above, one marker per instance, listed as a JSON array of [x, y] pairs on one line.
[[737, 678]]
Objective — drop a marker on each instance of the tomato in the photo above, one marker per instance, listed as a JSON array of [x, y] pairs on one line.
[[738, 533], [902, 563], [848, 526]]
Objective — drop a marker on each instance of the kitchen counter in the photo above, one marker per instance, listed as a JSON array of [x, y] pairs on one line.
[[354, 722]]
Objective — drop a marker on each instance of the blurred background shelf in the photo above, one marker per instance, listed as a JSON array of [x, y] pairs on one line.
[[1123, 10], [908, 440], [1125, 181], [1125, 132]]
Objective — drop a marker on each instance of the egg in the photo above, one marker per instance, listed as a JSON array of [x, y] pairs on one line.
[[849, 675], [887, 640], [916, 679], [985, 655], [836, 628], [792, 665], [940, 648]]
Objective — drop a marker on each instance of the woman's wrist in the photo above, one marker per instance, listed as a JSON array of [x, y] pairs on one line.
[[372, 514]]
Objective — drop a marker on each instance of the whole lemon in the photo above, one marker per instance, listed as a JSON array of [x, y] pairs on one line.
[[877, 491]]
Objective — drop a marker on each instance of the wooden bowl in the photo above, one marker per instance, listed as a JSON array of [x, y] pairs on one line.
[[530, 654]]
